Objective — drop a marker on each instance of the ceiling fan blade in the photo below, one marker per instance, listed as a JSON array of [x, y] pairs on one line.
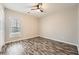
[[38, 7], [41, 10]]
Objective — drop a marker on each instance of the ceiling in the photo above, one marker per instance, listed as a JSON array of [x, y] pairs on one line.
[[48, 8]]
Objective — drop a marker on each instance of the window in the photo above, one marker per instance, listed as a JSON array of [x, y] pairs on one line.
[[15, 28]]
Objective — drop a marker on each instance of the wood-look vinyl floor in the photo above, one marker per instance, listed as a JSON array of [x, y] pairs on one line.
[[39, 46]]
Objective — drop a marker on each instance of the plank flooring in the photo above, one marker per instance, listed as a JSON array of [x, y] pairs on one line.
[[38, 46]]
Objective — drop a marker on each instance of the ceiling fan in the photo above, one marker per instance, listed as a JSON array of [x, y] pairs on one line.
[[38, 7]]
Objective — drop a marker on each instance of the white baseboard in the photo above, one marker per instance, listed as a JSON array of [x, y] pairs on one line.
[[61, 41], [19, 39], [44, 37]]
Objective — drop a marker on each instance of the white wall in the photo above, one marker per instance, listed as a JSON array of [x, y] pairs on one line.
[[60, 26], [29, 25], [78, 27], [2, 25]]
